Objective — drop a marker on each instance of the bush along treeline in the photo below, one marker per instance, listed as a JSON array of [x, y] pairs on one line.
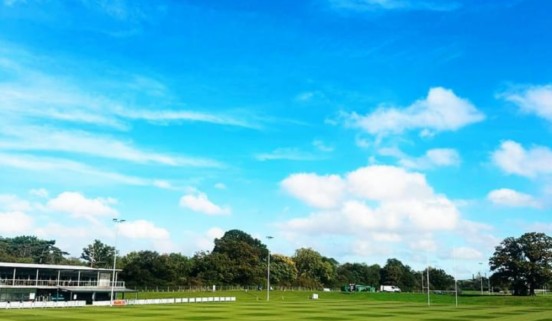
[[520, 265]]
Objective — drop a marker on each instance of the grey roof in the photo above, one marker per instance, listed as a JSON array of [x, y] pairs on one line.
[[53, 267]]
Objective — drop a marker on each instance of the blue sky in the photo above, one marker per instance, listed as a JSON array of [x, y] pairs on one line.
[[365, 129]]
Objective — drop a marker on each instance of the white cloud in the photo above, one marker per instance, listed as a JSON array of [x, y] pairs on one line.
[[78, 206], [385, 200], [440, 111], [15, 223], [533, 100], [438, 157], [199, 202], [383, 183], [513, 158], [466, 253], [200, 240], [443, 156], [142, 229], [512, 198], [317, 191], [10, 202]]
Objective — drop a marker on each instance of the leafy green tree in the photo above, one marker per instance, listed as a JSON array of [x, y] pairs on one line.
[[439, 279], [211, 269], [359, 273], [98, 255], [396, 273], [282, 270], [313, 269], [524, 262], [30, 249], [246, 257], [149, 268]]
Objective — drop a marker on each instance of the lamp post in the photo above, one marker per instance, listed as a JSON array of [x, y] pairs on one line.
[[268, 272], [116, 221]]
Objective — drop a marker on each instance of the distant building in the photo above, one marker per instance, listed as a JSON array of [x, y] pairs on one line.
[[44, 282]]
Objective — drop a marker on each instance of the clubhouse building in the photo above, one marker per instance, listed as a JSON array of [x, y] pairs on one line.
[[44, 282]]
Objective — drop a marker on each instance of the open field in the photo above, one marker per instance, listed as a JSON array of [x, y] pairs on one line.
[[298, 306]]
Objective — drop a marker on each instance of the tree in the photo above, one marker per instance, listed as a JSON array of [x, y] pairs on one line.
[[30, 249], [359, 273], [282, 270], [98, 255], [149, 268], [211, 268], [525, 262], [246, 257], [313, 269], [439, 279], [396, 273]]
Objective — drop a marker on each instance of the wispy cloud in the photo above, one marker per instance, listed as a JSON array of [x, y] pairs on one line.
[[293, 154], [437, 157], [33, 92], [321, 146], [33, 138], [371, 5], [57, 166]]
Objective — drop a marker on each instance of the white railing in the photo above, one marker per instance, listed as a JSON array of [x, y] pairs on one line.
[[165, 301], [60, 283], [69, 304], [41, 304]]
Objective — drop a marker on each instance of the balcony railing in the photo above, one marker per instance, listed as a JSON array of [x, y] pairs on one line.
[[60, 283]]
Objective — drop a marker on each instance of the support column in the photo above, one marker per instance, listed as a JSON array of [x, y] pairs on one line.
[[59, 275], [13, 280], [36, 282], [78, 279]]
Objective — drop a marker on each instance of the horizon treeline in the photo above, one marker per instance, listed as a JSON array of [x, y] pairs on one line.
[[238, 259]]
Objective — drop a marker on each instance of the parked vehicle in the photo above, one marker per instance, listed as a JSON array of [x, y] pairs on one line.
[[389, 288]]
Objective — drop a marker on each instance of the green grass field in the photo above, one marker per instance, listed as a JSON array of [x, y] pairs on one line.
[[298, 306]]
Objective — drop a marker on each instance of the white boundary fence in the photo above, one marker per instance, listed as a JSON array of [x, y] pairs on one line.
[[71, 304], [166, 301], [41, 304]]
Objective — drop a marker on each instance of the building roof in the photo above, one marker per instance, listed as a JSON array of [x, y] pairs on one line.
[[53, 267]]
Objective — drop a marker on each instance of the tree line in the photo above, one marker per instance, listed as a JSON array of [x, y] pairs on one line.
[[520, 264]]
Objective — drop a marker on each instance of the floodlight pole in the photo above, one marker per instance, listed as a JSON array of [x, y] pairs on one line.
[[116, 221], [268, 272], [455, 280], [427, 277], [481, 276]]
